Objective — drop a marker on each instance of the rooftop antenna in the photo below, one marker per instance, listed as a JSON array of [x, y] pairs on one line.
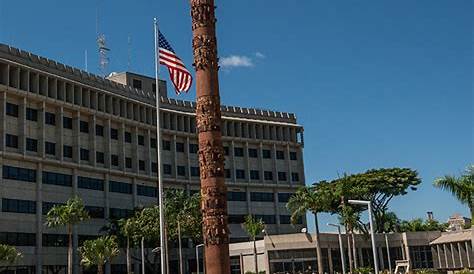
[[85, 61], [101, 46]]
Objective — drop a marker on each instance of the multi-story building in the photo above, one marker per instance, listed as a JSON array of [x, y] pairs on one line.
[[66, 132]]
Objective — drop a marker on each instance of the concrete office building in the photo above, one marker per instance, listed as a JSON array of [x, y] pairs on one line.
[[66, 132], [296, 253]]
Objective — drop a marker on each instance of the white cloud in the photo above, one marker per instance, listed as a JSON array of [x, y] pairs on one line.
[[234, 61], [260, 55]]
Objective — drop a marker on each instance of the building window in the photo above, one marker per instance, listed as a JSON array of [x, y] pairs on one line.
[[254, 175], [95, 212], [147, 191], [240, 174], [137, 84], [141, 165], [167, 169], [238, 152], [253, 153], [31, 114], [280, 155], [50, 118], [18, 239], [295, 177], [286, 220], [236, 196], [31, 144], [236, 219], [293, 156], [179, 147], [58, 179], [267, 219], [153, 142], [261, 197], [114, 133], [50, 148], [19, 174], [284, 197], [141, 140], [99, 130], [84, 154], [11, 140], [48, 205], [226, 151], [281, 176], [154, 167], [67, 151], [268, 175], [99, 157], [193, 148], [266, 154], [84, 126], [227, 173], [19, 206], [120, 187], [55, 240], [114, 160], [166, 145], [128, 162], [127, 137], [90, 183], [12, 110], [119, 213], [67, 122], [181, 171], [195, 171]]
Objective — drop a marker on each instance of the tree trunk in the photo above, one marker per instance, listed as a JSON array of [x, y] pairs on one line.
[[100, 269], [69, 250], [349, 250], [180, 250], [354, 249], [318, 245], [129, 263], [255, 255]]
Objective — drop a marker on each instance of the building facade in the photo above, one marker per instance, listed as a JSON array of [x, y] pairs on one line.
[[65, 132], [296, 253]]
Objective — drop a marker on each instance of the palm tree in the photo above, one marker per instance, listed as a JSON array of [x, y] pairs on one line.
[[99, 251], [8, 255], [254, 227], [461, 187], [70, 214], [309, 198], [129, 228]]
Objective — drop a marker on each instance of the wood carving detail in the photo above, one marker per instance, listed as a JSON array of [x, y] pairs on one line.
[[214, 206], [211, 160], [205, 52], [203, 14], [208, 113]]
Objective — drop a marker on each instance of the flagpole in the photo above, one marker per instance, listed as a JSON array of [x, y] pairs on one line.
[[158, 147]]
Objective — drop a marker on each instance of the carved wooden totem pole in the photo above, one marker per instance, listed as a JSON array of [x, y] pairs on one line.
[[211, 152]]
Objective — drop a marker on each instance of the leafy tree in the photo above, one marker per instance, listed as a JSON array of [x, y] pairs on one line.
[[130, 230], [254, 227], [148, 224], [8, 255], [183, 217], [461, 187], [420, 225], [99, 251], [315, 199], [70, 214]]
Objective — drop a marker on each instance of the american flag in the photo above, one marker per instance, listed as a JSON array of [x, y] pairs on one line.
[[179, 74]]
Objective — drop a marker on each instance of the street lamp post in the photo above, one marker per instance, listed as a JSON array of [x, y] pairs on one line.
[[197, 258], [343, 260], [211, 151], [388, 254], [372, 234]]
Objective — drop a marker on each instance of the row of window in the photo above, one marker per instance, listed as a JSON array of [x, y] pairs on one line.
[[49, 240], [267, 219], [258, 196]]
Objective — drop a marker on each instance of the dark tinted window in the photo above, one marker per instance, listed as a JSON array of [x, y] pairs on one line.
[[253, 153], [240, 174], [268, 175], [141, 164], [52, 178], [148, 191], [128, 162], [18, 239], [84, 154], [18, 206], [120, 187], [90, 183], [153, 142], [99, 157], [31, 144], [236, 196], [280, 155], [236, 219], [114, 133], [84, 126], [166, 169], [227, 173], [99, 130], [11, 109], [114, 160], [194, 171], [50, 148], [238, 152], [267, 219], [154, 167], [31, 114], [226, 151], [193, 148], [95, 212], [67, 122], [284, 197], [293, 156], [11, 141], [127, 137], [166, 145], [141, 140], [295, 177], [120, 213], [281, 176], [266, 154], [55, 240], [50, 118], [261, 197], [181, 170], [19, 174], [254, 175], [137, 84], [67, 151], [179, 147]]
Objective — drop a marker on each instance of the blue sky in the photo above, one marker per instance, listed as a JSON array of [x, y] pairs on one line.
[[375, 83]]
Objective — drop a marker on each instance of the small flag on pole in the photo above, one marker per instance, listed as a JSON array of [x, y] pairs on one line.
[[179, 74]]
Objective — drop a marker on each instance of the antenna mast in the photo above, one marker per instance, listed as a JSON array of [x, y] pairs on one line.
[[101, 46]]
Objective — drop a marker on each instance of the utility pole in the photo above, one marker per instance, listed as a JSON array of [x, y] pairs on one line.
[[211, 151]]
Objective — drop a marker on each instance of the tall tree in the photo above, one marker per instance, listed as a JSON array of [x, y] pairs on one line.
[[461, 187], [99, 251], [148, 222], [70, 214], [254, 227], [183, 217], [315, 199], [130, 230], [8, 255]]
